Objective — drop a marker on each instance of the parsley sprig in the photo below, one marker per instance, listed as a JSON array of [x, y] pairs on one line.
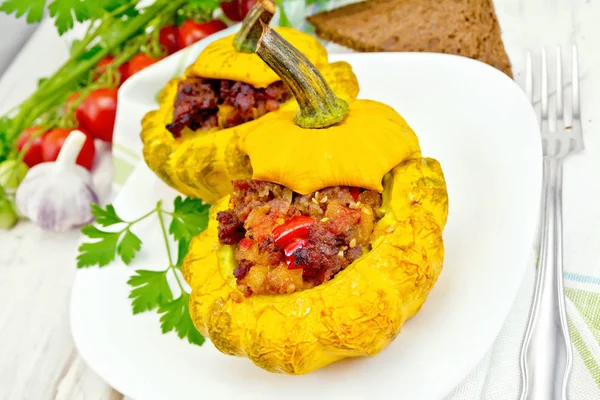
[[150, 289]]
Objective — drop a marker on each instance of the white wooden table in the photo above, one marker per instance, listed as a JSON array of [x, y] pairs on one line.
[[37, 358]]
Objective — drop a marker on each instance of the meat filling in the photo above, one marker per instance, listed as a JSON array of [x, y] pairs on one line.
[[209, 103], [287, 242]]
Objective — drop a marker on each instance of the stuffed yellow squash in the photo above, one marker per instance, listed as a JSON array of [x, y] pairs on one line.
[[334, 242], [190, 142]]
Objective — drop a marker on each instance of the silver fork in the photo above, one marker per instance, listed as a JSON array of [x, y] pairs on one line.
[[546, 355]]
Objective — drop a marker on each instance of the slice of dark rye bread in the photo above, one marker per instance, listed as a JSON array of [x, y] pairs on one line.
[[464, 27]]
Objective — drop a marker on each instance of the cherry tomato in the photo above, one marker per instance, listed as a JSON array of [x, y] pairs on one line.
[[96, 114], [139, 62], [168, 38], [54, 140], [34, 154], [236, 10], [106, 61], [191, 31]]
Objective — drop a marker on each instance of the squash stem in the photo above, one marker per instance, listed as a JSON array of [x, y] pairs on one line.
[[319, 106], [246, 39]]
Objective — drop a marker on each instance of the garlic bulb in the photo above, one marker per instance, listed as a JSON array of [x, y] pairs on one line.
[[57, 195]]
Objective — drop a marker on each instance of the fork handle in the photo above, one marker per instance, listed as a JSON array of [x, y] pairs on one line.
[[546, 355]]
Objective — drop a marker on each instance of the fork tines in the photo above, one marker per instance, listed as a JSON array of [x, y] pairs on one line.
[[569, 138]]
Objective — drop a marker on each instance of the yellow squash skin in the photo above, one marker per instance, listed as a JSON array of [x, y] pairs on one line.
[[202, 164], [340, 158], [220, 60], [355, 314]]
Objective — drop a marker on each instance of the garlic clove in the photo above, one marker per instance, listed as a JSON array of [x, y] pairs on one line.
[[57, 195]]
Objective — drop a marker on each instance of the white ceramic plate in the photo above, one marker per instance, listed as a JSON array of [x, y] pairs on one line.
[[478, 124]]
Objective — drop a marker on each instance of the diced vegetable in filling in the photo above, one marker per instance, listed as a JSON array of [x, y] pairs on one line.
[[214, 103], [287, 242]]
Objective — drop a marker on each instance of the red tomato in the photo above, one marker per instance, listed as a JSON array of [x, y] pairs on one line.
[[106, 61], [139, 62], [191, 31], [34, 154], [236, 10], [54, 140], [96, 114], [168, 38]]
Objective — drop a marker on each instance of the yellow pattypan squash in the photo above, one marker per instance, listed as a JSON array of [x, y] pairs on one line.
[[362, 309], [203, 163], [355, 314], [350, 154], [220, 60]]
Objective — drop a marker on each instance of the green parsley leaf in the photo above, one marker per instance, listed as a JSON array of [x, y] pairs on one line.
[[66, 12], [101, 252], [176, 316], [182, 250], [34, 9], [151, 290], [128, 246], [190, 217], [106, 217]]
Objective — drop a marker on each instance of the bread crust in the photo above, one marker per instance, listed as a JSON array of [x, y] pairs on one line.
[[467, 28]]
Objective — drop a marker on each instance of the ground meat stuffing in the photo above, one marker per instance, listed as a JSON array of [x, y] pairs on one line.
[[287, 242], [209, 103]]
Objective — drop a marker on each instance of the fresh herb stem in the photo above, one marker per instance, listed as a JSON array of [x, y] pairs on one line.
[[165, 236], [149, 213], [159, 213], [129, 224]]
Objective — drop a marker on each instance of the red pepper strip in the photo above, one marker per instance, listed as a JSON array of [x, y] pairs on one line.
[[294, 245], [290, 249], [245, 244], [354, 191], [296, 227]]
